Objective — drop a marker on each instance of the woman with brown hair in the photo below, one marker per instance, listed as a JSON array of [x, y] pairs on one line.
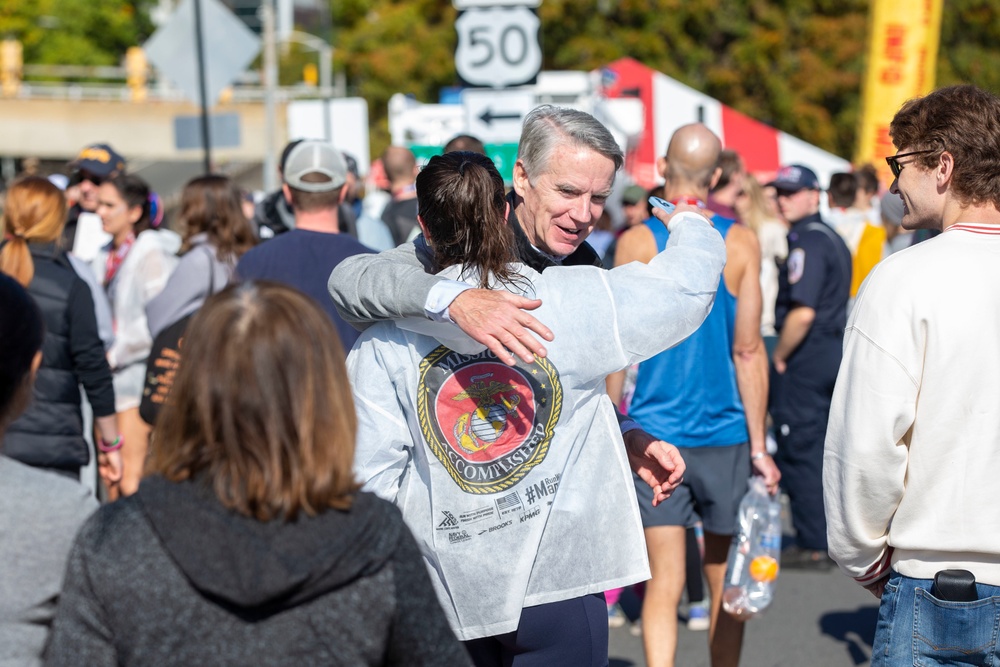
[[133, 267], [50, 433], [248, 541], [214, 235]]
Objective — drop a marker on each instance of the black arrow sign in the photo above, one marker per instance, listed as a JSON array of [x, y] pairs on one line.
[[488, 116]]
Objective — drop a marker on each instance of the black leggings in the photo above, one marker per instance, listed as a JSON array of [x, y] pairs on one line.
[[572, 632]]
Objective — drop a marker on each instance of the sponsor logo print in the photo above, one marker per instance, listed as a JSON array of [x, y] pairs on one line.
[[531, 515], [449, 521], [511, 503], [488, 423], [535, 492], [476, 515], [501, 526], [459, 537]]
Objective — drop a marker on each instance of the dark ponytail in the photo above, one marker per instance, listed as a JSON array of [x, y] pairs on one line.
[[460, 198]]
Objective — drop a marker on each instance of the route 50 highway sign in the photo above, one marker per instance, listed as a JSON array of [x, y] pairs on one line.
[[498, 46]]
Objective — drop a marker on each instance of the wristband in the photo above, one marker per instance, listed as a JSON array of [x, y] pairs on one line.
[[758, 456], [107, 447]]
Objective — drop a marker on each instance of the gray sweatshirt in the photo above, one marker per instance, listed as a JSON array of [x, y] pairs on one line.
[[40, 513], [515, 480]]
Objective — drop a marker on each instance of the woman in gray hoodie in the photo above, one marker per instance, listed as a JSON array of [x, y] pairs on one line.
[[248, 542]]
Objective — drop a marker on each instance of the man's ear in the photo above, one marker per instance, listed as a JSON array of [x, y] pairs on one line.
[[662, 166], [521, 181], [36, 362], [716, 175], [423, 229], [343, 194], [287, 192], [945, 168]]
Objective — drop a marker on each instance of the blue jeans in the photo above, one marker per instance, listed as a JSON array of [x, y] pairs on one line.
[[916, 629]]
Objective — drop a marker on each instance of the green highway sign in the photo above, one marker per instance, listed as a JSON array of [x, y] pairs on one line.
[[503, 156]]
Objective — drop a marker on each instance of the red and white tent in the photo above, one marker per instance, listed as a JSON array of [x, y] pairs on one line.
[[668, 104]]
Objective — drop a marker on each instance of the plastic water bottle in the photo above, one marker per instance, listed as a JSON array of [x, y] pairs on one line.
[[754, 556]]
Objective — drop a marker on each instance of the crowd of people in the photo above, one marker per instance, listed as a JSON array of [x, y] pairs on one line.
[[338, 429]]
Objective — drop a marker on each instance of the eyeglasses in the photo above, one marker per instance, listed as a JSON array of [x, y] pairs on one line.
[[893, 161]]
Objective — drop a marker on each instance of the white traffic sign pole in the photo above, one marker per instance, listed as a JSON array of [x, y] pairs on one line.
[[270, 85]]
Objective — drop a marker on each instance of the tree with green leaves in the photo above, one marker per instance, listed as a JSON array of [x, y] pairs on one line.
[[75, 32]]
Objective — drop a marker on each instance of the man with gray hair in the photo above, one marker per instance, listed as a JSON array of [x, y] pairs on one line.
[[563, 176]]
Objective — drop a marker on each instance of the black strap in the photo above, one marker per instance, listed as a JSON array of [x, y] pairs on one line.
[[211, 269]]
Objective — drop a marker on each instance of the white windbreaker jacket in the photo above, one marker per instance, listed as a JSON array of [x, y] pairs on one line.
[[515, 480]]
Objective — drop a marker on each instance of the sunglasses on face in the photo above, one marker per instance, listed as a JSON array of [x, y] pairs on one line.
[[893, 161], [81, 176]]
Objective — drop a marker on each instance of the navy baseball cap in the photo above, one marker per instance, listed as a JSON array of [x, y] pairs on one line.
[[99, 159], [795, 177]]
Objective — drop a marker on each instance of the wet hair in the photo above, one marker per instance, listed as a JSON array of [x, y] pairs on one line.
[[136, 193], [730, 163], [35, 212], [213, 205], [22, 337], [465, 142], [843, 189], [547, 126], [460, 197], [965, 121], [261, 406]]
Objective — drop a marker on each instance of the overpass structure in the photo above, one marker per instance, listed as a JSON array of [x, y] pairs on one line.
[[54, 122]]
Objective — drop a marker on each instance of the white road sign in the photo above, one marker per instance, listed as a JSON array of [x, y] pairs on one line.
[[495, 116], [229, 47], [498, 46]]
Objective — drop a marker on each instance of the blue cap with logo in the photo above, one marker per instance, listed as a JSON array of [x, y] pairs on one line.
[[795, 177]]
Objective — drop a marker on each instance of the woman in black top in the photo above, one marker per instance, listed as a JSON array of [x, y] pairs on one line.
[[50, 433]]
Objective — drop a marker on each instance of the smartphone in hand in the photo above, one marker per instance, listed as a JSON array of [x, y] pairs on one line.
[[662, 204]]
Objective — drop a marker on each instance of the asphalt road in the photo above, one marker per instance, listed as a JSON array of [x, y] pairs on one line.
[[817, 619]]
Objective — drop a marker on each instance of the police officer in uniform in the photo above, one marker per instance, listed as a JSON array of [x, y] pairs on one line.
[[810, 315]]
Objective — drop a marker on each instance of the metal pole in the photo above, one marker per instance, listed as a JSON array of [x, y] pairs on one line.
[[325, 87], [202, 87], [270, 85]]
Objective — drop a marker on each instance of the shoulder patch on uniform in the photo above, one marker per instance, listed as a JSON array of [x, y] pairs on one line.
[[796, 265]]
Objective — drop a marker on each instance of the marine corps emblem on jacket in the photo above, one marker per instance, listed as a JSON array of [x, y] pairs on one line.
[[486, 422]]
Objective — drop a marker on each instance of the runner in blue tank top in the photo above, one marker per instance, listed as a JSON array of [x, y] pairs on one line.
[[708, 397]]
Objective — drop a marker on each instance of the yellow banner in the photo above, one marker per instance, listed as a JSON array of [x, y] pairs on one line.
[[903, 37]]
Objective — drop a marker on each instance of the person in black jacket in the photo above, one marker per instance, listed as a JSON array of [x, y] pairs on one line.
[[248, 541], [50, 433]]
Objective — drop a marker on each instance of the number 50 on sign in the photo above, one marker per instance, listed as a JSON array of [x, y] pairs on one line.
[[498, 46]]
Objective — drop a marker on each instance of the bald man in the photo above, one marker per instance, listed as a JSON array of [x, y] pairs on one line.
[[707, 396]]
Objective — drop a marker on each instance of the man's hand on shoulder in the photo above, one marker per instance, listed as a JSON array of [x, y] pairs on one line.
[[656, 462], [498, 320]]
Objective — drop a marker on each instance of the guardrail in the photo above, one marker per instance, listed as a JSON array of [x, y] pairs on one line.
[[105, 92]]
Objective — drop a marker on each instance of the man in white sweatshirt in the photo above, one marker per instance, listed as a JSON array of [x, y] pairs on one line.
[[913, 446]]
